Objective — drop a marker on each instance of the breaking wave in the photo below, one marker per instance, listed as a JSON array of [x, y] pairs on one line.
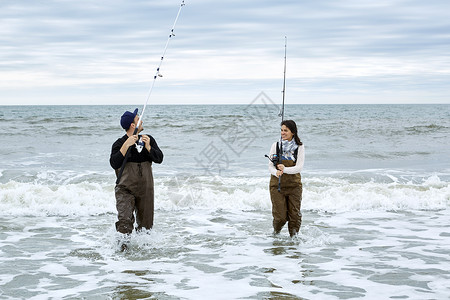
[[331, 193]]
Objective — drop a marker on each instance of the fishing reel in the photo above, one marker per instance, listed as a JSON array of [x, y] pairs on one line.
[[139, 145], [274, 159]]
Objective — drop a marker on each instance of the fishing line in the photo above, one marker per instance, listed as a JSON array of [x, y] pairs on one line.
[[140, 144]]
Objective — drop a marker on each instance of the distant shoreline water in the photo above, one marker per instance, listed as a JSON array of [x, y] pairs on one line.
[[140, 105], [346, 137]]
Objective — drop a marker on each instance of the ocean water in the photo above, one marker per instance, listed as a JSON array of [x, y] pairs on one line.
[[376, 204]]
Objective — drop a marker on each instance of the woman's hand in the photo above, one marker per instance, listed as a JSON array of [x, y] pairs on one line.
[[280, 169]]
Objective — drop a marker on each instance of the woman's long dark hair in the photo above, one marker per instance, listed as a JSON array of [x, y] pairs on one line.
[[293, 128]]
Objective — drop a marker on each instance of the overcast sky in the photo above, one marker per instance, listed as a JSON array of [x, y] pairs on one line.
[[338, 51]]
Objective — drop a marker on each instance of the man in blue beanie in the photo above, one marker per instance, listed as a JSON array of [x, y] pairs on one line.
[[135, 190]]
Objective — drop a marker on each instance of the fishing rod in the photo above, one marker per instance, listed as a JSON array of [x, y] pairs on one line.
[[139, 146], [276, 158], [281, 114], [282, 111]]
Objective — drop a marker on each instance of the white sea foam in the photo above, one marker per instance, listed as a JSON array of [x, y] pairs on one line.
[[85, 198], [337, 195], [193, 254], [331, 194]]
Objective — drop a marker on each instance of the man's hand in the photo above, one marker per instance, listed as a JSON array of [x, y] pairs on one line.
[[146, 140], [132, 139]]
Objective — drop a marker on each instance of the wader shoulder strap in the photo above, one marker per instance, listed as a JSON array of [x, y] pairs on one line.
[[279, 154]]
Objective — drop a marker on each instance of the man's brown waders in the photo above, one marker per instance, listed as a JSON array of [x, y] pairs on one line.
[[135, 193], [286, 204]]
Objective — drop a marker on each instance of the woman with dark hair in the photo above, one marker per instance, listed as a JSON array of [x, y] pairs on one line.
[[288, 156]]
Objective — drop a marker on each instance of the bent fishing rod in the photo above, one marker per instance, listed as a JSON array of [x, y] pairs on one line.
[[157, 74]]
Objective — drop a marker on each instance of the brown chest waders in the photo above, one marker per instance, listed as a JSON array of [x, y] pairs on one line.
[[286, 203], [135, 194]]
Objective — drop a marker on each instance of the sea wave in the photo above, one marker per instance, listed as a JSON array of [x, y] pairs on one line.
[[425, 129], [332, 194]]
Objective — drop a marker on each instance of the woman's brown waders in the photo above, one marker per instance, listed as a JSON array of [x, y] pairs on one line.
[[286, 203]]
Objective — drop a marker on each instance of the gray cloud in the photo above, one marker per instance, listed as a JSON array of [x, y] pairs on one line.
[[98, 45]]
